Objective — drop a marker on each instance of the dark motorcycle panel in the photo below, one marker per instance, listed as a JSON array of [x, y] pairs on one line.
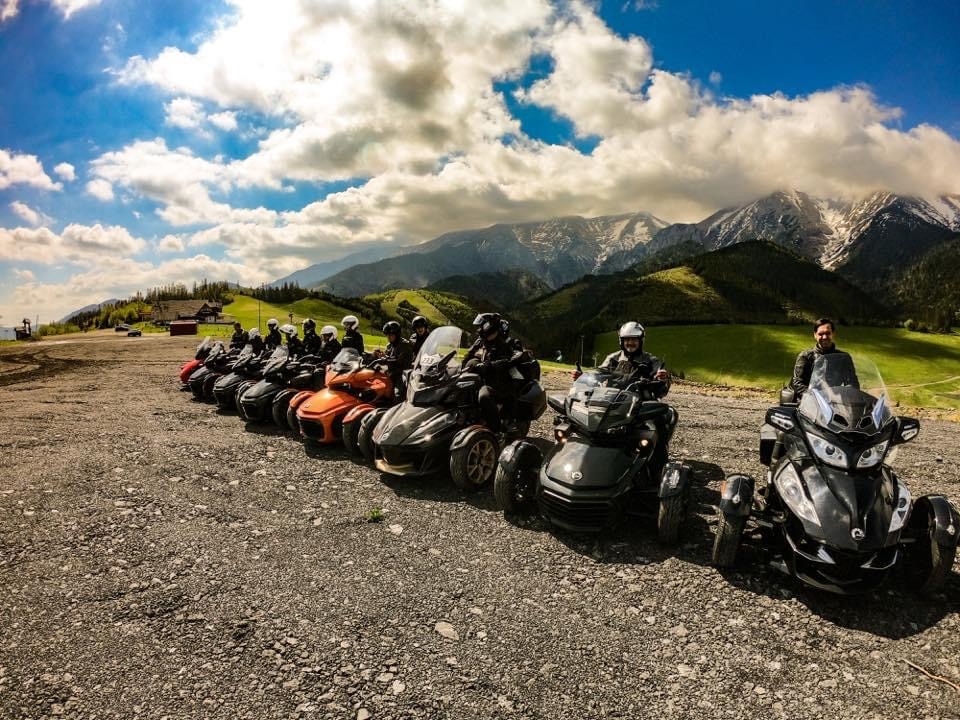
[[578, 464], [855, 510]]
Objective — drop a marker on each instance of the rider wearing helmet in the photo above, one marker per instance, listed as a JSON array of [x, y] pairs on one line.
[[256, 341], [632, 362], [421, 328], [294, 344], [351, 337], [493, 355], [311, 341], [329, 345], [398, 355], [274, 338], [239, 337]]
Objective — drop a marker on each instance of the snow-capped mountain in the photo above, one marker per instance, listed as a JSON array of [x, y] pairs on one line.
[[887, 227], [558, 251], [870, 241]]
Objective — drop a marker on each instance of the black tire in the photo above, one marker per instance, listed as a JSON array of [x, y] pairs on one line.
[[279, 411], [351, 437], [726, 541], [474, 464], [236, 399], [293, 422], [670, 518], [365, 436], [512, 496], [928, 563], [208, 384]]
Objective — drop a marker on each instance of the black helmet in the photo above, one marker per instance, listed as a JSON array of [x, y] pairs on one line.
[[309, 325], [418, 322], [632, 329], [487, 324], [391, 327]]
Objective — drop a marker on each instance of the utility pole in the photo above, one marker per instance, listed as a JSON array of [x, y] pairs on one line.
[[581, 350], [258, 305]]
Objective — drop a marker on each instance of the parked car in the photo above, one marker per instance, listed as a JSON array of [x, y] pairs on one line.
[[122, 327], [134, 332]]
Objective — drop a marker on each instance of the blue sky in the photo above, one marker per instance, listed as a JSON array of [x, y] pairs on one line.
[[229, 139]]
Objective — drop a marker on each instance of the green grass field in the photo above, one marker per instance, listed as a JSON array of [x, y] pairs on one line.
[[244, 309], [390, 302], [920, 370]]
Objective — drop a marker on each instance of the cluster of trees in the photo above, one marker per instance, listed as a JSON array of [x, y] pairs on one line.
[[930, 290], [281, 294], [204, 290]]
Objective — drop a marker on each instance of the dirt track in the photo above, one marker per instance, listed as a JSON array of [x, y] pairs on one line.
[[160, 560]]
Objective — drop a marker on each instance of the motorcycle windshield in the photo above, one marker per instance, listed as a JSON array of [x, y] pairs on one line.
[[596, 407], [216, 351], [436, 363], [439, 344], [347, 360], [278, 358], [204, 347], [846, 396]]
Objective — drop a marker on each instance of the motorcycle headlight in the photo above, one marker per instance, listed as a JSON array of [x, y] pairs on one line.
[[827, 451], [901, 509], [873, 456], [791, 490]]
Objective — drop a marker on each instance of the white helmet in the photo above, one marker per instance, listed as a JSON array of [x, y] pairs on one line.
[[272, 323], [350, 321], [328, 330], [289, 330], [254, 333]]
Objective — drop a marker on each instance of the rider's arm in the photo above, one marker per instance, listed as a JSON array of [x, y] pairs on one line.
[[801, 374]]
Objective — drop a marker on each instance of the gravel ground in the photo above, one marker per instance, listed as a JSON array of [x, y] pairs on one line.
[[160, 560]]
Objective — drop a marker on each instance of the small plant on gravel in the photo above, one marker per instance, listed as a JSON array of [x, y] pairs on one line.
[[375, 515]]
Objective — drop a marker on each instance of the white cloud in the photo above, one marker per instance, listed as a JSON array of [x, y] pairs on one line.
[[179, 180], [69, 7], [76, 244], [403, 94], [66, 171], [24, 169], [119, 277], [28, 214], [184, 113], [100, 189], [9, 9], [224, 120], [170, 244], [715, 78], [24, 275]]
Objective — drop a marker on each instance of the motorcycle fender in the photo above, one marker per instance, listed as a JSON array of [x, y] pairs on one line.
[[301, 397], [737, 497], [465, 435], [357, 413], [675, 479], [284, 396], [520, 455], [946, 519]]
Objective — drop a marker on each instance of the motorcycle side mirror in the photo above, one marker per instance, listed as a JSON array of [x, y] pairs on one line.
[[907, 429]]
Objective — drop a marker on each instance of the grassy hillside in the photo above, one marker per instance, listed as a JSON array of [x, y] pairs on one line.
[[755, 282], [244, 309], [920, 370], [500, 290], [439, 308]]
